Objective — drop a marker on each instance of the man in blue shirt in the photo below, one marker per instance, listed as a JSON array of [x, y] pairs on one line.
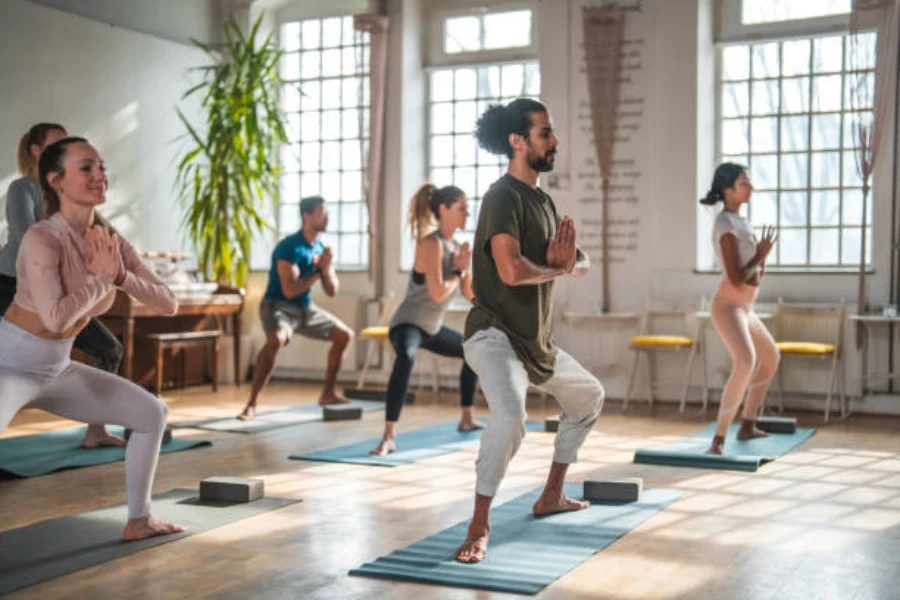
[[298, 262]]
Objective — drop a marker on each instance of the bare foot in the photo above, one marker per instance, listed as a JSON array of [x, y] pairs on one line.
[[147, 527], [248, 414], [717, 446], [97, 437], [384, 448], [469, 425], [749, 431], [474, 548], [549, 506], [332, 398]]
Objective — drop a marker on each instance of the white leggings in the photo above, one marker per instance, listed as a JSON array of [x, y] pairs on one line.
[[37, 373], [504, 382], [754, 354]]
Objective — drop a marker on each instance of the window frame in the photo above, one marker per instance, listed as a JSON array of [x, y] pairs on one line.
[[731, 30], [334, 233]]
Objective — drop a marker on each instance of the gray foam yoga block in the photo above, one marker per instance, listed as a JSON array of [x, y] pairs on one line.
[[167, 435], [551, 423], [341, 412], [231, 489], [777, 424], [613, 490]]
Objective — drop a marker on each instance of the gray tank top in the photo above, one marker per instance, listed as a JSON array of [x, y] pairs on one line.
[[417, 307]]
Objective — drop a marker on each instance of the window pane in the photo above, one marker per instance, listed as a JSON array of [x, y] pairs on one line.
[[823, 245], [465, 117], [826, 132], [827, 93], [795, 95], [331, 125], [331, 157], [350, 123], [532, 79], [441, 85], [441, 117], [331, 32], [290, 98], [350, 248], [289, 217], [829, 54], [860, 51], [769, 11], [310, 64], [310, 35], [765, 60], [290, 188], [793, 209], [309, 95], [462, 34], [350, 213], [350, 155], [290, 66], [852, 177], [331, 63], [290, 37], [763, 209], [507, 29], [293, 127], [441, 177], [488, 82], [792, 246], [289, 160], [735, 63], [852, 209], [764, 134], [351, 186], [735, 100], [310, 124], [735, 136], [764, 170], [310, 157], [796, 56], [309, 184], [512, 80], [794, 171], [464, 179], [331, 185], [351, 92], [825, 208], [465, 84], [794, 133], [826, 169], [442, 150], [765, 97], [464, 151], [331, 93]]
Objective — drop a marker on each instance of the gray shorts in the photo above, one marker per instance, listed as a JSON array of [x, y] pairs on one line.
[[310, 321]]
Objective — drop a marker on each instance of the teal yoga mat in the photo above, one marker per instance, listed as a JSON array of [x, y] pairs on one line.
[[46, 550], [42, 453], [739, 455], [273, 419], [412, 446], [525, 554]]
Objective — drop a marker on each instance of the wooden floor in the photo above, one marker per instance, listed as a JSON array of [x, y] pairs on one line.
[[820, 522]]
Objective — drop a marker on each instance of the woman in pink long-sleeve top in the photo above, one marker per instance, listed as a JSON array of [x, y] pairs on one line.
[[68, 269]]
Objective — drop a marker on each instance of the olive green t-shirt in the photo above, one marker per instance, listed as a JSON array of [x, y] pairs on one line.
[[523, 312]]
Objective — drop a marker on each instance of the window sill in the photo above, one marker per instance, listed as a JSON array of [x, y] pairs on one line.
[[797, 271]]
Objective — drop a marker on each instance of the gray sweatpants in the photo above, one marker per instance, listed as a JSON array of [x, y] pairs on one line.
[[36, 373], [504, 382]]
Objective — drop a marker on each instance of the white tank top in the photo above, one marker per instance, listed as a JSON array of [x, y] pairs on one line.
[[734, 223]]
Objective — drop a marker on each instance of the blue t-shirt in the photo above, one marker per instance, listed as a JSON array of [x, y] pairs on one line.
[[297, 250]]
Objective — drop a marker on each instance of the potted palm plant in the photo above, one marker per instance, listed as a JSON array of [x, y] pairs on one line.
[[228, 173]]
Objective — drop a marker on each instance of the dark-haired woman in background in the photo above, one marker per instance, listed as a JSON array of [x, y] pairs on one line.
[[753, 351], [441, 268], [68, 270], [24, 207]]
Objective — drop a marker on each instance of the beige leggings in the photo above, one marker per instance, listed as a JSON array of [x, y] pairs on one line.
[[754, 354]]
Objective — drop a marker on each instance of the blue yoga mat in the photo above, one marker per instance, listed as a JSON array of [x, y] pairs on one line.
[[739, 455], [412, 446], [273, 419], [42, 453], [525, 554]]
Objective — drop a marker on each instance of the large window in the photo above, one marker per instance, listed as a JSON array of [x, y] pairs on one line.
[[457, 97], [326, 99], [786, 111], [485, 58]]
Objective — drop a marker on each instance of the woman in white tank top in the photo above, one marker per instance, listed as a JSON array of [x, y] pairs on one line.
[[742, 259]]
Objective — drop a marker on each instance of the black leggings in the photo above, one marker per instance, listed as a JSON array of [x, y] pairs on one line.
[[406, 340], [95, 340]]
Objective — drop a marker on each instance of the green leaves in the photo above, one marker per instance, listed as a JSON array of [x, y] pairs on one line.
[[227, 174]]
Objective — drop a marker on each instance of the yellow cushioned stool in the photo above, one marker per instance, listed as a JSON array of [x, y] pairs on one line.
[[662, 341], [804, 348]]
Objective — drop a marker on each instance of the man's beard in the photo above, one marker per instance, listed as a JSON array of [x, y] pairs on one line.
[[541, 164]]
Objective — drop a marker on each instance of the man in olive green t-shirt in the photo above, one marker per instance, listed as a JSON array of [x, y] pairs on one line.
[[521, 245]]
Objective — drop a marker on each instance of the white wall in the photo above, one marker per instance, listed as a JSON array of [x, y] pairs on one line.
[[118, 88]]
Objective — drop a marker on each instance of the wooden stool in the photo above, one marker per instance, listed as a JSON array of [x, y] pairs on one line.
[[181, 340]]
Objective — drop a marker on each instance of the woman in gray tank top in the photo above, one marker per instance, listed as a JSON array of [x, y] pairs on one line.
[[441, 268]]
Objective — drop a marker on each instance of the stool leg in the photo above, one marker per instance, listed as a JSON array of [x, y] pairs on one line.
[[159, 368], [215, 365]]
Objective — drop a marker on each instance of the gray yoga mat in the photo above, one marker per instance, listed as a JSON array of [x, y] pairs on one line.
[[525, 553], [42, 453], [745, 455], [273, 419], [46, 550]]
